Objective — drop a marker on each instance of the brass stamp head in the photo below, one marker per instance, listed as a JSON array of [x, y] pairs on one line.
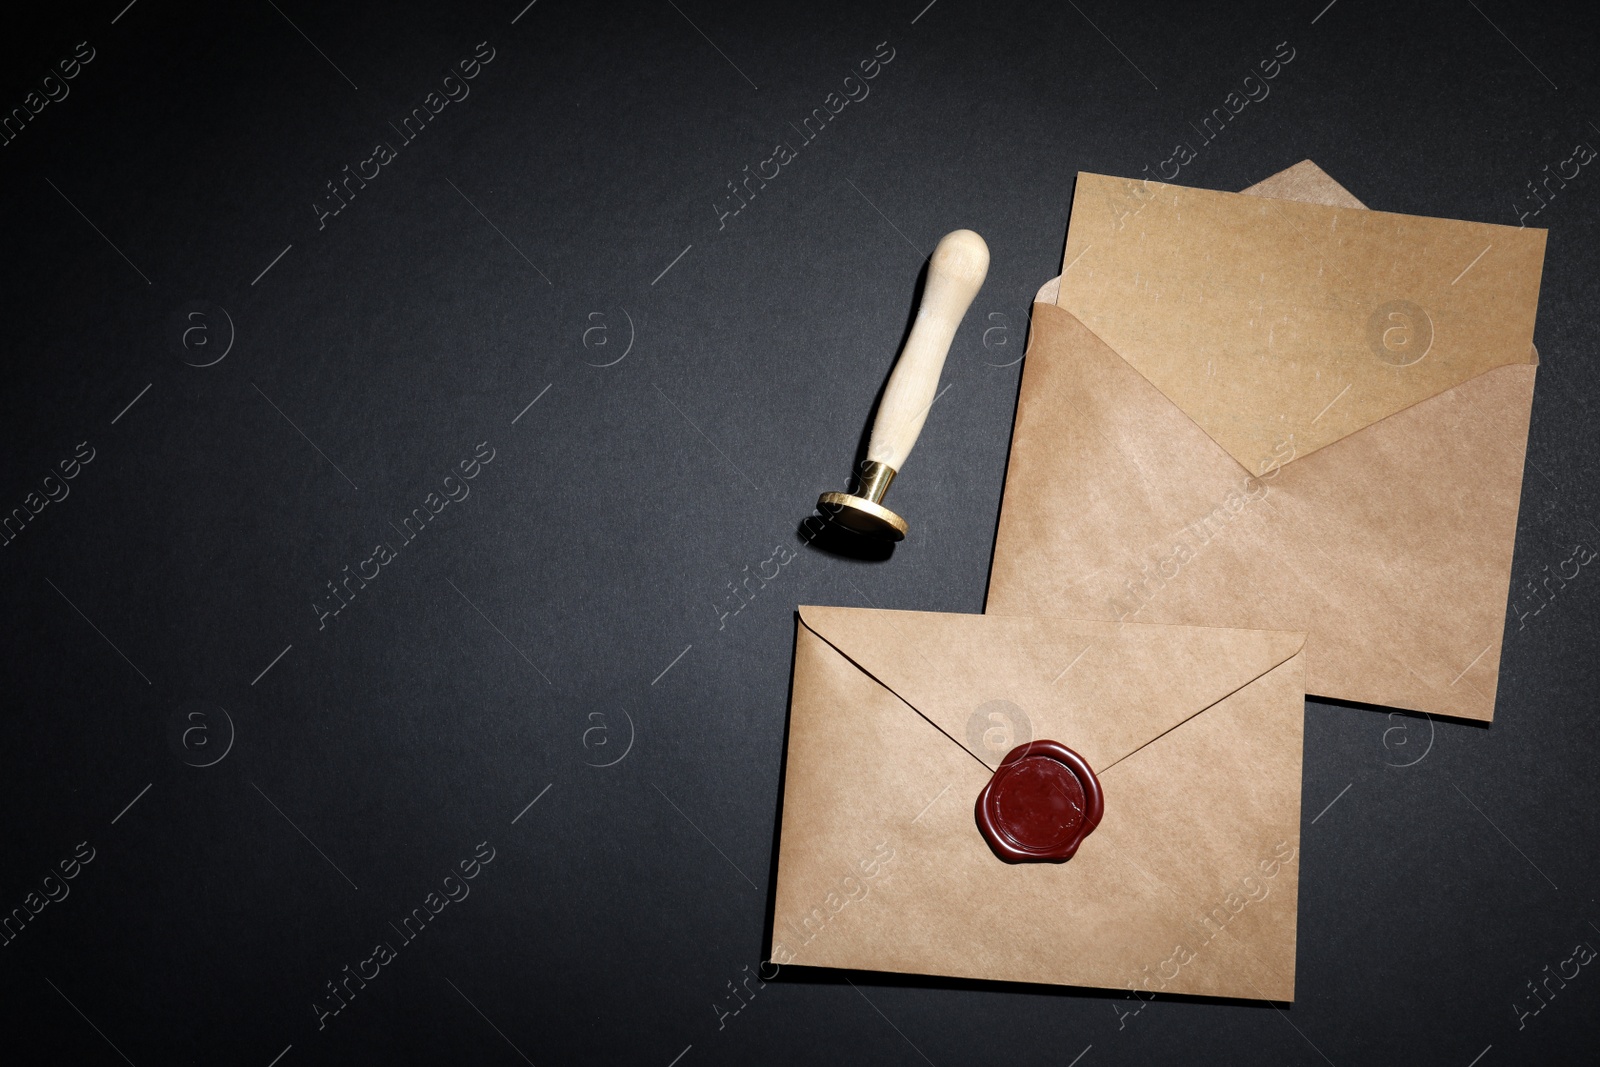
[[862, 512]]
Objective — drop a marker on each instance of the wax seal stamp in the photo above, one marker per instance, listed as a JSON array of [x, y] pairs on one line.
[[1041, 803], [955, 274]]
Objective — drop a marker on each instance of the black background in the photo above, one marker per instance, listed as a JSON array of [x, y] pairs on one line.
[[566, 614]]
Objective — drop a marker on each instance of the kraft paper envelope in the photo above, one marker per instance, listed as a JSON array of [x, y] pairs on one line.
[[1187, 886], [1250, 411]]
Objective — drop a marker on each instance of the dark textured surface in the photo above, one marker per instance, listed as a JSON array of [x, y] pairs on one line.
[[573, 604]]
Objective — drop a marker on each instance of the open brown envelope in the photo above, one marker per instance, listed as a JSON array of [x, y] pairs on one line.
[[1222, 424], [1187, 886]]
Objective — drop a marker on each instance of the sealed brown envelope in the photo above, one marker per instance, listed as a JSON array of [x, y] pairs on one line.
[[1249, 411], [897, 721]]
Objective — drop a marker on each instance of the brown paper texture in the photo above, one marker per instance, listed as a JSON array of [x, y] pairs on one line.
[[1390, 545], [1189, 884], [1281, 327], [1303, 181], [1307, 182]]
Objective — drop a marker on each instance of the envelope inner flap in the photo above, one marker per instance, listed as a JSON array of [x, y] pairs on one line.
[[1280, 327], [1103, 689]]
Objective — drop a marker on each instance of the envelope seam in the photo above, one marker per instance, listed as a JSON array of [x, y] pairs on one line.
[[1196, 715], [1231, 457], [1299, 649], [890, 690]]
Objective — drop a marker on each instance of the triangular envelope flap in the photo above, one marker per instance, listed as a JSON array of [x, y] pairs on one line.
[[1307, 182], [1281, 327], [1103, 689]]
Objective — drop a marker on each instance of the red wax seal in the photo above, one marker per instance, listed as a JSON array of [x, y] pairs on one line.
[[1041, 803]]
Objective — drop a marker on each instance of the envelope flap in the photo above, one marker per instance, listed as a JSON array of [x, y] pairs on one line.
[[1307, 182], [1279, 326], [1104, 689]]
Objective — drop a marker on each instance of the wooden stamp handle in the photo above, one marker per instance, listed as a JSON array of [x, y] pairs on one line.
[[955, 274]]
